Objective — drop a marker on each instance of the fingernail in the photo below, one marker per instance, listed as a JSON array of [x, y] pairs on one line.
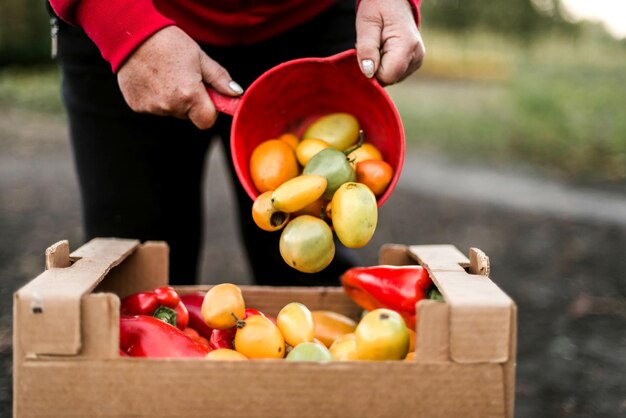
[[235, 87], [368, 67]]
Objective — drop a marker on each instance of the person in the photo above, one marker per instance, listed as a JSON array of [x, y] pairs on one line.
[[134, 76]]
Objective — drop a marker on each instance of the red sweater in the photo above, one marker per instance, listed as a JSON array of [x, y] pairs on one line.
[[117, 27]]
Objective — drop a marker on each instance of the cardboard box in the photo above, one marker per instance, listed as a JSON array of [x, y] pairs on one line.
[[66, 361]]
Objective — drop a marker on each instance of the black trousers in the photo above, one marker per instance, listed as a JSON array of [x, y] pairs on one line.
[[141, 176]]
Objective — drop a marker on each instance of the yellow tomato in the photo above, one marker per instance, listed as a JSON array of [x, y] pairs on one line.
[[354, 214], [223, 304], [411, 339], [308, 147], [382, 335], [344, 348], [295, 322], [331, 325], [265, 215], [298, 192], [340, 130], [365, 152], [258, 337], [225, 354], [306, 244]]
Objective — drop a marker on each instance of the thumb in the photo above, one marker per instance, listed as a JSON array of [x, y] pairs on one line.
[[368, 41]]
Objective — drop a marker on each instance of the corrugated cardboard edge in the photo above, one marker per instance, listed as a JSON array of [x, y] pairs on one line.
[[127, 387], [441, 325], [480, 312], [48, 309]]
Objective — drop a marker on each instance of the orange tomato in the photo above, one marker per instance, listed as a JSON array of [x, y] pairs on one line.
[[411, 340], [328, 211], [375, 174], [258, 337], [272, 163], [314, 209], [265, 215], [365, 152], [331, 325], [291, 139]]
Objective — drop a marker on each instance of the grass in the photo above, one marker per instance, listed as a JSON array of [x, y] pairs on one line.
[[36, 89], [556, 103]]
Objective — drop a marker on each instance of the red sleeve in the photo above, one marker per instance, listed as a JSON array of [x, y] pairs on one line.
[[415, 4], [117, 27]]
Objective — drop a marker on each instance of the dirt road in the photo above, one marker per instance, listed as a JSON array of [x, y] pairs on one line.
[[558, 251]]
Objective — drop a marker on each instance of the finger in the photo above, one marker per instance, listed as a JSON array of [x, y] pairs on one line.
[[401, 57], [368, 40], [217, 76], [202, 112]]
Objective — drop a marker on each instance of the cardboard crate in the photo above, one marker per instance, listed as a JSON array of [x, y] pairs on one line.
[[66, 361]]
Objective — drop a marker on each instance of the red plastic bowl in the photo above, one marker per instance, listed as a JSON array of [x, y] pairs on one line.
[[288, 97]]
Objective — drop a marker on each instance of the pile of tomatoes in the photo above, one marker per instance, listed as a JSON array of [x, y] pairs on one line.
[[326, 181], [299, 334]]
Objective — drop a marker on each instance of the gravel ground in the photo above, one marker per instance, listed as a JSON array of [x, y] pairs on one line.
[[557, 250]]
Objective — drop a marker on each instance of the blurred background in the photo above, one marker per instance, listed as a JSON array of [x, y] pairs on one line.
[[516, 145]]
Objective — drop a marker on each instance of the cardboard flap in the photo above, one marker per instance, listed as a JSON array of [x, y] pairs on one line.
[[439, 257], [480, 312], [48, 309]]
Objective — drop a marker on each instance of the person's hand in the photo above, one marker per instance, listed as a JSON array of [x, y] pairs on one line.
[[168, 74], [388, 43]]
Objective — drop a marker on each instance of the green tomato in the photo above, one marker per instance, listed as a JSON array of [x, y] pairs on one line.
[[333, 165], [306, 244], [309, 351]]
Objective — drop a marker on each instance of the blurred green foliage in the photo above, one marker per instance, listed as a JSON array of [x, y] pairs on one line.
[[523, 19], [556, 103], [24, 32], [32, 88]]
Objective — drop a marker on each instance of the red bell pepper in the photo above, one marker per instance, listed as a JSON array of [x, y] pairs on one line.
[[182, 315], [146, 336], [397, 288], [193, 303], [140, 303], [251, 311], [167, 296], [222, 338], [162, 302]]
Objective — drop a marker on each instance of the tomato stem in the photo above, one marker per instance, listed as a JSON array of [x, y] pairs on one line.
[[239, 323], [358, 145]]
